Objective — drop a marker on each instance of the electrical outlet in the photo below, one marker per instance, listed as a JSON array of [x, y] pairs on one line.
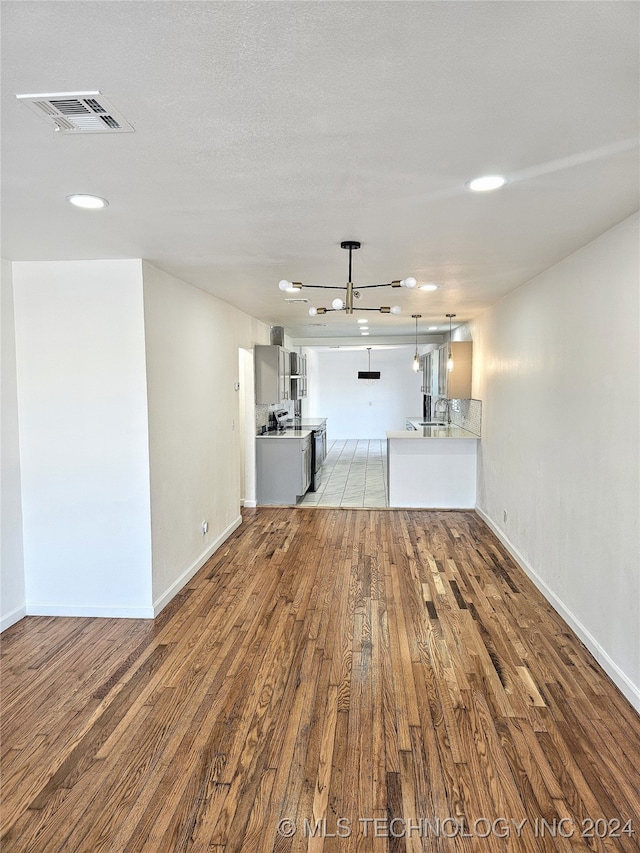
[[205, 528]]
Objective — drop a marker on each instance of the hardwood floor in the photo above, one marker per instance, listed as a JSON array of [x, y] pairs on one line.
[[331, 680]]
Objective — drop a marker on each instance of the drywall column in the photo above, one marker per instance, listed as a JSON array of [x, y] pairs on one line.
[[84, 453], [192, 344], [12, 588]]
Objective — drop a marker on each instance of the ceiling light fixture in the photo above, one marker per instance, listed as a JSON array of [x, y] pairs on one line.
[[87, 202], [450, 359], [486, 183], [416, 358], [351, 294], [429, 286], [432, 328], [369, 374]]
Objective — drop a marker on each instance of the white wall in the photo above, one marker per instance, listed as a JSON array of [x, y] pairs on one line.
[[247, 428], [83, 437], [556, 365], [192, 345], [358, 408], [12, 587]]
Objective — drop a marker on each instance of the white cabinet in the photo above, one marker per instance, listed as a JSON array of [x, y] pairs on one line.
[[433, 473], [283, 468], [430, 373], [272, 374], [455, 384], [305, 473], [298, 376], [424, 388]]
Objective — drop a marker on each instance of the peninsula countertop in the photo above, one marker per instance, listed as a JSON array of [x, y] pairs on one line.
[[450, 431]]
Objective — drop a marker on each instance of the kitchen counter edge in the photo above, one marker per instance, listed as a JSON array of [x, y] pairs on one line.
[[290, 432], [447, 432]]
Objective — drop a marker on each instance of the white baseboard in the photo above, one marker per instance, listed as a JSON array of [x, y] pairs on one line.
[[619, 678], [12, 617], [186, 576], [40, 609], [35, 608], [250, 504]]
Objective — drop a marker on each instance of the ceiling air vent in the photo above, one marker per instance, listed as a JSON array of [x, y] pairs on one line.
[[77, 112]]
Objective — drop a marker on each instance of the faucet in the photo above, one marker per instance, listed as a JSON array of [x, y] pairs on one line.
[[447, 408]]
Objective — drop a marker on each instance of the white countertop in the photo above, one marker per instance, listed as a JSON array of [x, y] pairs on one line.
[[290, 432], [450, 431]]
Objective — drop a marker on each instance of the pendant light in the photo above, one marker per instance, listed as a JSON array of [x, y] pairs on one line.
[[369, 374], [450, 359], [416, 358]]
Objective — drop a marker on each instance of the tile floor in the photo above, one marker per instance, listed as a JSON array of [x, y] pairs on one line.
[[354, 475]]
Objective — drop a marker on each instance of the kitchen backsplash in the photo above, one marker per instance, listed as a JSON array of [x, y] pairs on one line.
[[464, 413], [467, 414], [263, 411], [262, 416]]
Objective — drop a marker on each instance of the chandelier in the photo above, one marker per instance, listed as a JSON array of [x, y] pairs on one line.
[[346, 304]]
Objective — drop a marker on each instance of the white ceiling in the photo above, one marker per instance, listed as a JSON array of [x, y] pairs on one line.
[[266, 133]]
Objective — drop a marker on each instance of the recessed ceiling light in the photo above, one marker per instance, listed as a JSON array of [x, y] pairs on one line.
[[87, 202], [486, 183], [432, 329], [363, 321], [364, 333], [429, 286]]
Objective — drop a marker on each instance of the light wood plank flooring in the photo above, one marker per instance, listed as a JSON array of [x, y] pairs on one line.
[[332, 680]]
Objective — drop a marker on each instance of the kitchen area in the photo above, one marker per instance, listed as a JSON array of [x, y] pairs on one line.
[[432, 462], [290, 449], [410, 441]]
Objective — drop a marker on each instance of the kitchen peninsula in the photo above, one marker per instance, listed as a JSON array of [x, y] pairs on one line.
[[432, 467]]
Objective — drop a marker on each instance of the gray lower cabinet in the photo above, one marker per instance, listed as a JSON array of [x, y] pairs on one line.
[[283, 469]]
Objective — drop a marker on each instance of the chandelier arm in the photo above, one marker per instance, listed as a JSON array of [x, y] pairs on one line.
[[327, 286], [343, 287], [366, 286]]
